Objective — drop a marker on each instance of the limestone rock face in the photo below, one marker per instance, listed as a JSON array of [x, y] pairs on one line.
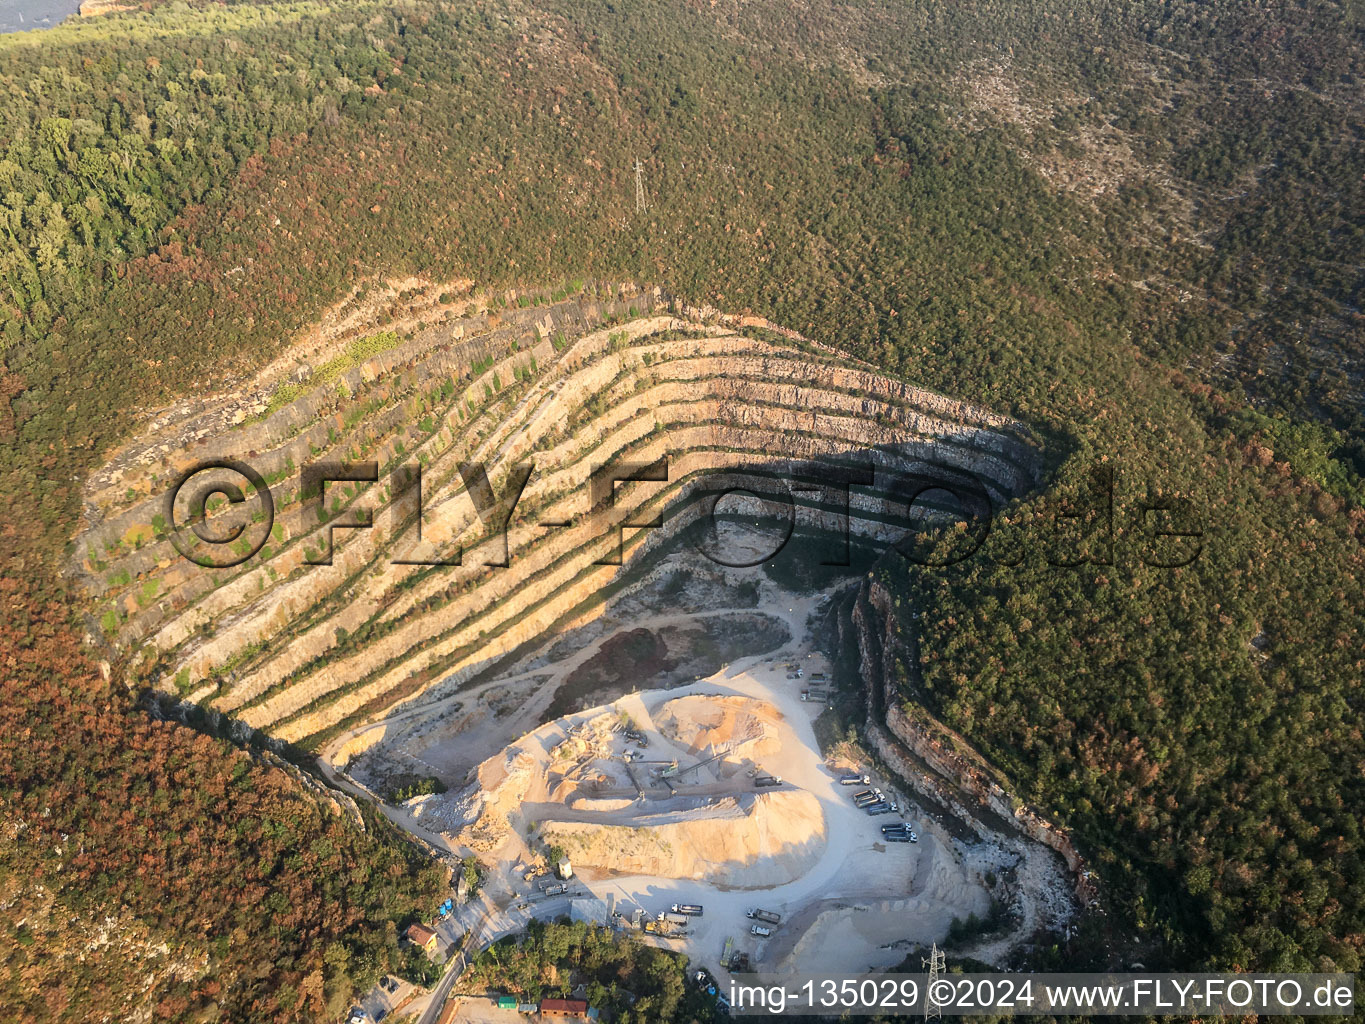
[[617, 375]]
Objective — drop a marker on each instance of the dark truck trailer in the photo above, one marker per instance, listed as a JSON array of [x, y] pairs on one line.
[[765, 915], [767, 780], [691, 909]]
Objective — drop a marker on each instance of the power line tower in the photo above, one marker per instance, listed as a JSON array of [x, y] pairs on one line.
[[938, 965], [639, 186]]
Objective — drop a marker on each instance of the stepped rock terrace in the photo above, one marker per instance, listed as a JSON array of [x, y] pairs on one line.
[[537, 399]]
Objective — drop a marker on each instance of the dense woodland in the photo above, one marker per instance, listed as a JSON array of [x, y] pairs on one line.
[[123, 832], [627, 980], [1137, 227]]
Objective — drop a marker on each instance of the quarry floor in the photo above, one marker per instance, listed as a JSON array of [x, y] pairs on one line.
[[849, 902]]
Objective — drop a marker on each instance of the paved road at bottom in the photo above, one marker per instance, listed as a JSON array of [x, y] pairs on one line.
[[472, 947]]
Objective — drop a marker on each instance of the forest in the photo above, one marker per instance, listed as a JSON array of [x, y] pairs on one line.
[[124, 832], [628, 980], [1137, 228]]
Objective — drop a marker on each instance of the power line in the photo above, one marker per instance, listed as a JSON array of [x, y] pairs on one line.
[[938, 965], [639, 186]]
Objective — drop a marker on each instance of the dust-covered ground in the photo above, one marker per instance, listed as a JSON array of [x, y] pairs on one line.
[[633, 744]]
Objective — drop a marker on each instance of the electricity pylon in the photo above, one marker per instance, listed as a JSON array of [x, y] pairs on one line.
[[938, 965]]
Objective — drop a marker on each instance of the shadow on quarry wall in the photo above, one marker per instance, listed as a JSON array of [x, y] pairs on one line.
[[663, 658], [930, 758], [988, 457], [797, 554]]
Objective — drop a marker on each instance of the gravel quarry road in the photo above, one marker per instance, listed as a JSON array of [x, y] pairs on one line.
[[856, 897]]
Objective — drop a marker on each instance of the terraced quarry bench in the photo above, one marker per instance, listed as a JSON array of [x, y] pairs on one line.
[[617, 375]]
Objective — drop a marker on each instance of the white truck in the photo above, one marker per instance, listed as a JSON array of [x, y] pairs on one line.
[[762, 931]]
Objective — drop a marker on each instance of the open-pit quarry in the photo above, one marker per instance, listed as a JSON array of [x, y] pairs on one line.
[[461, 600]]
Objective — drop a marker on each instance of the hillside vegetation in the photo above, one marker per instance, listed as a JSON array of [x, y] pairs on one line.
[[1134, 227]]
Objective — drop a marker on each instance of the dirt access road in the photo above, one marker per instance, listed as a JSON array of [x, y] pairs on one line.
[[920, 886], [855, 906]]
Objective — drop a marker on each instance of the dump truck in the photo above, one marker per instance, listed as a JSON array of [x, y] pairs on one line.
[[691, 909], [765, 915], [767, 780], [902, 826], [868, 798], [557, 889], [762, 931], [665, 927], [878, 808], [861, 794], [853, 780]]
